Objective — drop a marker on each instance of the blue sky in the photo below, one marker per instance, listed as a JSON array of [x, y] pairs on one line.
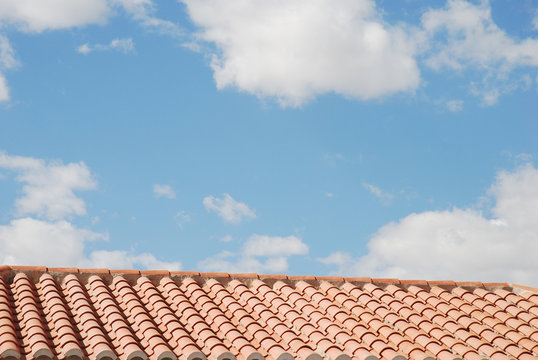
[[383, 139]]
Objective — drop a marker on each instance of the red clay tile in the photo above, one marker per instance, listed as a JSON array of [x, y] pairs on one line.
[[330, 278], [358, 279], [29, 268], [385, 281], [155, 272], [215, 274], [125, 271], [273, 276], [63, 269], [414, 282], [442, 283], [244, 276], [301, 277], [193, 316]]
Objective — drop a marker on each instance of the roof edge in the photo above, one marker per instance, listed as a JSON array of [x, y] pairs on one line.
[[8, 272]]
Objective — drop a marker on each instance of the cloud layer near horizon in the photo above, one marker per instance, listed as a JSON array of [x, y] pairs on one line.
[[43, 233], [460, 244]]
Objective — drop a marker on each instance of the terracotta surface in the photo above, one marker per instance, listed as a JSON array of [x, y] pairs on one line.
[[69, 313]]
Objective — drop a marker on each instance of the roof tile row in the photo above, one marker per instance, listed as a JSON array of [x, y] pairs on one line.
[[67, 313]]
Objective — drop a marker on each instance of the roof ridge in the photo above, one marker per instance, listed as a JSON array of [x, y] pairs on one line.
[[11, 270]]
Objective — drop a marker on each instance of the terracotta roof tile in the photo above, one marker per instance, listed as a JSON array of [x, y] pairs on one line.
[[101, 314]]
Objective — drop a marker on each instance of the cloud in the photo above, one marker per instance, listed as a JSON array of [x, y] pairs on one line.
[[122, 45], [461, 244], [472, 38], [121, 259], [226, 238], [463, 35], [454, 105], [336, 258], [230, 210], [49, 186], [42, 234], [7, 61], [4, 90], [164, 191], [143, 11], [385, 197], [22, 242], [260, 254], [295, 50], [182, 218], [271, 246], [7, 54], [37, 16]]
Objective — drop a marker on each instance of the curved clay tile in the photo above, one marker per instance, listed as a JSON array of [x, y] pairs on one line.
[[100, 314]]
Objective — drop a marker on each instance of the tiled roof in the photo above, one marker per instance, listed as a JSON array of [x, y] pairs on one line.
[[129, 314]]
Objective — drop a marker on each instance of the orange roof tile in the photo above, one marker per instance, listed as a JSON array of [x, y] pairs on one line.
[[68, 313]]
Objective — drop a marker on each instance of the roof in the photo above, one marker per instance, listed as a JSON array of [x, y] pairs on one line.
[[69, 313]]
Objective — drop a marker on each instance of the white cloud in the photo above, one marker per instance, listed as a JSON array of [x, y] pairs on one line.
[[143, 11], [296, 50], [462, 244], [122, 45], [49, 187], [473, 38], [385, 197], [274, 246], [230, 210], [463, 35], [28, 241], [84, 49], [164, 191], [7, 61], [54, 241], [120, 259], [7, 54], [336, 258], [4, 90], [260, 253], [226, 238], [37, 16], [454, 105], [182, 218]]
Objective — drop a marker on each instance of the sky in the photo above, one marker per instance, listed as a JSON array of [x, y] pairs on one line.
[[325, 137]]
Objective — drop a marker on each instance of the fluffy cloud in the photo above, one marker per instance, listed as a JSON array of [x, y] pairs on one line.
[[164, 191], [37, 16], [49, 187], [260, 253], [385, 197], [50, 239], [122, 45], [295, 50], [472, 38], [461, 244], [230, 210], [463, 35], [22, 242]]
